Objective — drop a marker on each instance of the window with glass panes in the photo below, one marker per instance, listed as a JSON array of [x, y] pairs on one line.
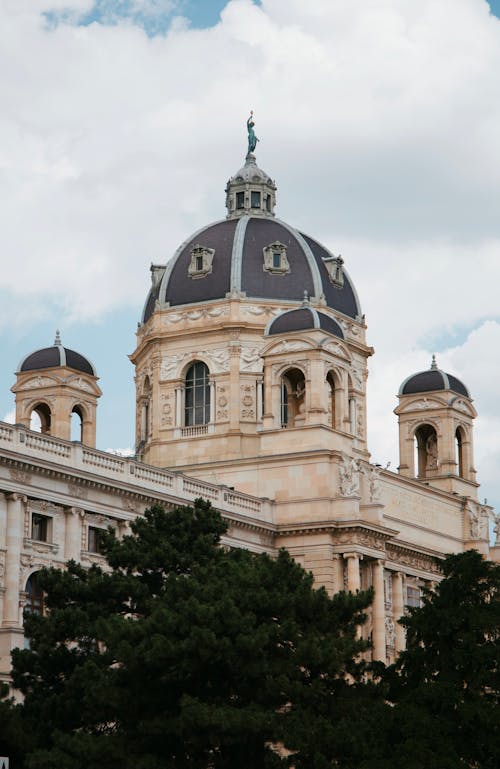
[[197, 395]]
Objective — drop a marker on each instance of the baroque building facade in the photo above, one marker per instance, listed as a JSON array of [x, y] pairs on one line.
[[251, 371]]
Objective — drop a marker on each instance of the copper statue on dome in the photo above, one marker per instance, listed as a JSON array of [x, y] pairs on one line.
[[252, 139]]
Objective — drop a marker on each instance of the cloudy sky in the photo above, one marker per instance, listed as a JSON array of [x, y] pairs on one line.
[[121, 121]]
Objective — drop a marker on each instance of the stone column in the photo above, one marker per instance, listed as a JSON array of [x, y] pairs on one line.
[[398, 609], [378, 612], [353, 575], [338, 573], [178, 406], [15, 525], [260, 394], [73, 533], [212, 403]]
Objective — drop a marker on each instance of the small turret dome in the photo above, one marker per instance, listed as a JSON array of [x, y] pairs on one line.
[[302, 319], [57, 355], [431, 380]]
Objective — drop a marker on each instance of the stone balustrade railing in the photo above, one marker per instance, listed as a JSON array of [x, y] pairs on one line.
[[73, 456]]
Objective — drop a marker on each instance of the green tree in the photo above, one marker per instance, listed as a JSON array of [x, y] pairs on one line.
[[445, 687], [190, 655]]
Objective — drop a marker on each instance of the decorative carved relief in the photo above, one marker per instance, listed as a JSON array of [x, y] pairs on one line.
[[219, 359], [390, 631], [360, 432], [247, 401], [336, 348], [76, 491], [21, 476], [286, 346], [357, 375], [349, 476], [253, 309], [169, 366], [166, 410], [478, 520], [39, 381], [222, 402], [250, 360], [414, 560], [192, 315], [372, 475]]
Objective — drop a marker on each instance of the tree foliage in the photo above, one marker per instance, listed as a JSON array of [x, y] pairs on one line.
[[186, 654], [445, 687]]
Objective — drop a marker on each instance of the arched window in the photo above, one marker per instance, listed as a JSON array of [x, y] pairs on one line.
[[145, 409], [426, 448], [197, 395], [40, 419], [34, 595], [460, 451], [76, 424], [332, 397], [293, 394]]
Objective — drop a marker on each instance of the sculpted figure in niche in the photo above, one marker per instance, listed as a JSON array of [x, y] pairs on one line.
[[432, 452]]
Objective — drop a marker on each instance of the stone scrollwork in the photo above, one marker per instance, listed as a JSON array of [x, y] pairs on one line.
[[349, 476], [247, 401]]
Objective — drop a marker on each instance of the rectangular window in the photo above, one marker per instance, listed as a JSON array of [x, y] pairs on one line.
[[412, 596], [40, 527], [255, 199], [240, 200], [276, 260], [94, 545], [199, 263]]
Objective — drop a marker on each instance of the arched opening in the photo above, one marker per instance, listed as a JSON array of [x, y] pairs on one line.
[[293, 394], [426, 448], [40, 418], [77, 424], [34, 595], [332, 398], [460, 451], [197, 395]]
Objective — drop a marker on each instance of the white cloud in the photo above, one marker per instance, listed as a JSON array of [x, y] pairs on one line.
[[379, 121]]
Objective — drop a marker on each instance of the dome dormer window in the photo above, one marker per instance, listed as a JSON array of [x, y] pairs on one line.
[[201, 261], [275, 259], [240, 200], [334, 266]]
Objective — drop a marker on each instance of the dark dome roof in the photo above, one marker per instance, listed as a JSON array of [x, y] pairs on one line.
[[302, 319], [432, 379], [238, 267], [57, 355]]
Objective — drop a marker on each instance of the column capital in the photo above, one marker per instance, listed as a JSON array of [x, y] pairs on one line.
[[16, 496]]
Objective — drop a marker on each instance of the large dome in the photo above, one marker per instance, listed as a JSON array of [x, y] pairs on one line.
[[254, 255]]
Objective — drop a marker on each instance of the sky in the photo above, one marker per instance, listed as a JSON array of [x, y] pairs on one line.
[[122, 120]]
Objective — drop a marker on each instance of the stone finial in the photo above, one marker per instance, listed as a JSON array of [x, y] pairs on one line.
[[57, 340], [434, 364], [305, 300]]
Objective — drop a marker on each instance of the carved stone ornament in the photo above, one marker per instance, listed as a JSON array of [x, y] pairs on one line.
[[247, 402], [337, 349], [496, 529], [275, 259], [193, 315], [390, 631], [255, 309], [250, 360], [218, 358], [286, 346], [349, 476], [478, 520], [21, 476], [372, 475], [76, 491], [39, 381], [201, 261]]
